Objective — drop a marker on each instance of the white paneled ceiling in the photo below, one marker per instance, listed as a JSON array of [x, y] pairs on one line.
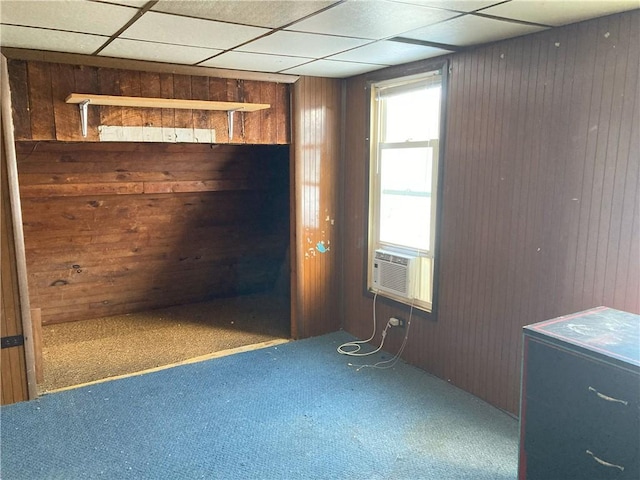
[[556, 13], [159, 52], [254, 61], [468, 30], [387, 52], [259, 13], [193, 32], [329, 38], [60, 40], [373, 20], [66, 15], [302, 44]]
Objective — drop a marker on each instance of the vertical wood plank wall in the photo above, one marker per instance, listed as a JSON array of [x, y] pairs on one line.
[[541, 199], [14, 372], [316, 152], [121, 227]]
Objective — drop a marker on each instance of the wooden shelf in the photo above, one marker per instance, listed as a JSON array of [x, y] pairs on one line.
[[83, 100], [147, 102]]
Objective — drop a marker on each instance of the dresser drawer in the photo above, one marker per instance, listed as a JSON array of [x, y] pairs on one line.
[[579, 468], [572, 444], [586, 418], [562, 378]]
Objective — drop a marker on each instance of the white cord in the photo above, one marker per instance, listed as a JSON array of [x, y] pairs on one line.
[[355, 346], [396, 357]]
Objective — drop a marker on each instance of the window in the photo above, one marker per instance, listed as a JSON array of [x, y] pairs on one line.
[[404, 157]]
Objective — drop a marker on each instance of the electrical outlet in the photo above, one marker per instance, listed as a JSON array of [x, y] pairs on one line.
[[396, 322]]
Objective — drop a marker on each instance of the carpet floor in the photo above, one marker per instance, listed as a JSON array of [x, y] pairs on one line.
[[292, 411], [89, 350]]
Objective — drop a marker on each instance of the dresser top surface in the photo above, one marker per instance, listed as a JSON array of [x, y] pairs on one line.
[[603, 330]]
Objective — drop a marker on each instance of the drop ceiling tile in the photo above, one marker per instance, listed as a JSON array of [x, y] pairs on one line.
[[458, 5], [302, 44], [333, 68], [254, 62], [165, 28], [53, 40], [471, 30], [389, 53], [372, 19], [556, 13], [157, 52], [84, 17], [260, 13]]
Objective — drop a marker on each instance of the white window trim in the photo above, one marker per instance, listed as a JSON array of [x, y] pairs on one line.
[[376, 148]]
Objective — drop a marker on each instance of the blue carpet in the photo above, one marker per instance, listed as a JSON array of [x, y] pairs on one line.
[[295, 411]]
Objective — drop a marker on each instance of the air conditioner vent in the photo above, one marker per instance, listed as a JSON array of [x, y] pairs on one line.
[[393, 273]]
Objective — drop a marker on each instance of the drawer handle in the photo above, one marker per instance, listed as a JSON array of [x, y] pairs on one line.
[[607, 398], [602, 462]]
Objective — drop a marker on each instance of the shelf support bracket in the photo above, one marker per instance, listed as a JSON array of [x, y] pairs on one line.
[[84, 107]]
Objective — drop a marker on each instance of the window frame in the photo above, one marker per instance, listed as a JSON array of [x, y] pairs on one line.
[[391, 77]]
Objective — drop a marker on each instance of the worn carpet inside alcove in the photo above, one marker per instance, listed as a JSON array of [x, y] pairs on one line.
[[89, 350]]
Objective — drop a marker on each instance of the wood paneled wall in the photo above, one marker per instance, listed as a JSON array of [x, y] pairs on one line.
[[119, 227], [317, 143], [14, 372], [541, 195], [39, 90]]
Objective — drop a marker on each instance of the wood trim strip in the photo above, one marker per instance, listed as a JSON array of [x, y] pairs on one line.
[[16, 211], [36, 321], [202, 358]]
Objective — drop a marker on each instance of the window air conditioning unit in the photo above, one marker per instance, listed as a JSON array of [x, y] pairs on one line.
[[394, 273]]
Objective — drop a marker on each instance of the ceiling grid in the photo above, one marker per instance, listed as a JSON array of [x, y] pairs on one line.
[[327, 38]]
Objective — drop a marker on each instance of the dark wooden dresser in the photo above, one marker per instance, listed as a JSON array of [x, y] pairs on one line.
[[580, 397]]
